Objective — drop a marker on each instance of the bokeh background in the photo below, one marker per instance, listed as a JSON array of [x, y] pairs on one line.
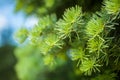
[[10, 22]]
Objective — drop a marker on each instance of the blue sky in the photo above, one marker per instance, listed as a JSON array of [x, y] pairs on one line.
[[7, 15], [11, 20]]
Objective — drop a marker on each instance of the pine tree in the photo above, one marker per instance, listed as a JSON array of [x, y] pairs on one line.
[[89, 41]]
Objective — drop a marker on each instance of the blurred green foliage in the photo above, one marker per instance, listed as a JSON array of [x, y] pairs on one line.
[[81, 42], [44, 7], [7, 63]]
